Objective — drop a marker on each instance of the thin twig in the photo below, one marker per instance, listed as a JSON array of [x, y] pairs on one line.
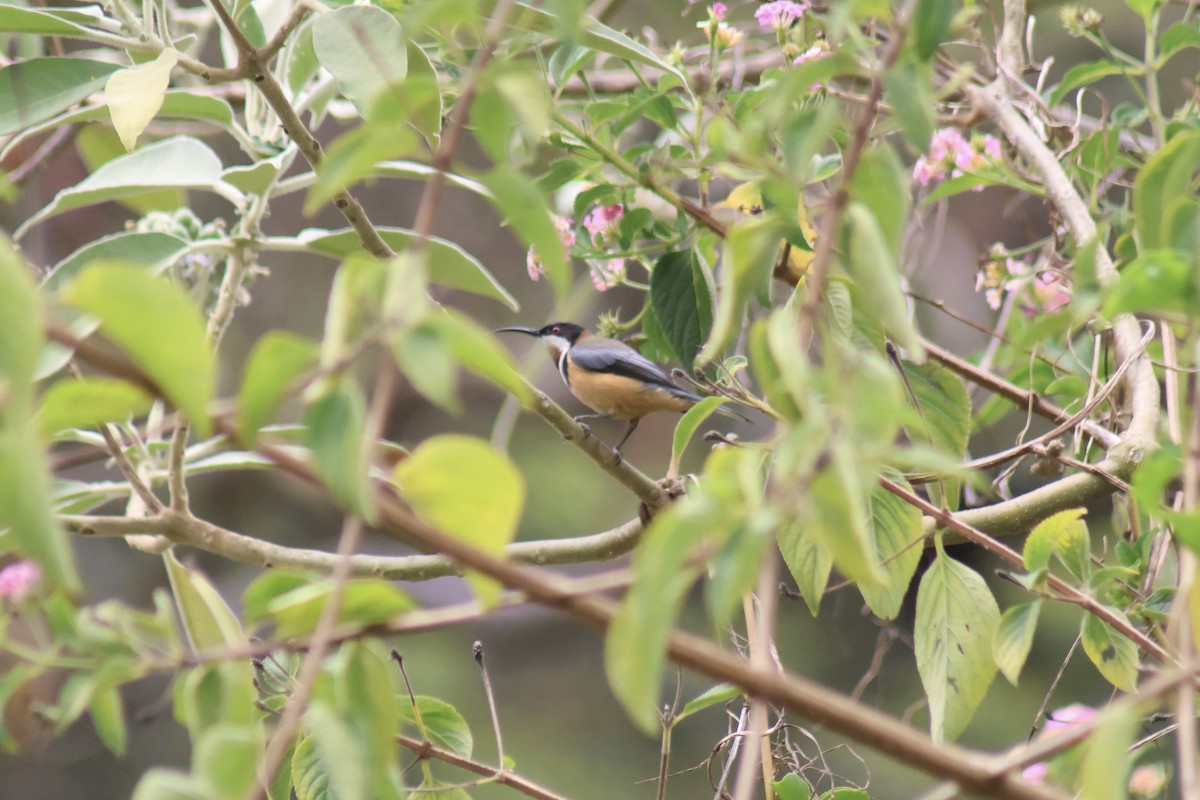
[[504, 777], [477, 650]]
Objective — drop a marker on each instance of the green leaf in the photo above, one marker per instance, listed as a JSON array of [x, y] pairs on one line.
[[845, 793], [932, 20], [108, 717], [272, 367], [687, 426], [682, 302], [717, 695], [36, 89], [72, 403], [908, 89], [364, 48], [24, 480], [809, 563], [154, 321], [750, 250], [365, 696], [167, 784], [1107, 757], [882, 185], [207, 620], [328, 763], [478, 351], [524, 207], [1082, 75], [365, 601], [835, 514], [898, 532], [1178, 37], [180, 162], [336, 423], [1064, 533], [426, 118], [1155, 281], [428, 365], [469, 490], [226, 758], [944, 410], [1014, 638], [310, 778], [150, 249], [1113, 653], [956, 621], [441, 722], [1167, 175], [47, 21], [135, 94], [875, 269], [791, 787], [597, 36], [449, 264]]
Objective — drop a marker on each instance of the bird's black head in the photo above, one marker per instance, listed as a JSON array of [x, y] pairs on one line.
[[564, 330]]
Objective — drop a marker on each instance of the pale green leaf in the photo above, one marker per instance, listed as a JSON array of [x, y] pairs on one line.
[[943, 409], [365, 601], [898, 533], [956, 622], [271, 369], [168, 784], [478, 351], [336, 422], [875, 269], [469, 490], [72, 403], [1083, 74], [524, 207], [180, 162], [1014, 638], [721, 693], [750, 249], [1113, 653], [440, 722], [1107, 758], [226, 758], [1168, 174], [151, 249], [809, 563], [1064, 533], [36, 89], [135, 94], [836, 514], [338, 755], [365, 48], [687, 426], [154, 321], [207, 620], [108, 717]]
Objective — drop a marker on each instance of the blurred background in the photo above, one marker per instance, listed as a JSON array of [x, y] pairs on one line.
[[561, 724]]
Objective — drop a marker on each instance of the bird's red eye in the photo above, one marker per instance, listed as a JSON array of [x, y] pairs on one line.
[[556, 329]]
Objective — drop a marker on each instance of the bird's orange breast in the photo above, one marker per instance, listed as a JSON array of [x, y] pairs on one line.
[[622, 397]]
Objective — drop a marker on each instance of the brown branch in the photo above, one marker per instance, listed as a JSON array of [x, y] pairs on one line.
[[1066, 591], [601, 82], [503, 777]]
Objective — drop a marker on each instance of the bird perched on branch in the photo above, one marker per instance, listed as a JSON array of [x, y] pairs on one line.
[[610, 377]]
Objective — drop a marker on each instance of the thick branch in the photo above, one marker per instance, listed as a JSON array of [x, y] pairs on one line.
[[187, 530]]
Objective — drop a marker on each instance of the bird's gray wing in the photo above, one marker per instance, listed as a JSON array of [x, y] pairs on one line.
[[617, 358]]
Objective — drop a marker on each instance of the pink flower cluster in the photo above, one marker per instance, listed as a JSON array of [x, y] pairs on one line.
[[717, 30], [779, 15], [1047, 292], [817, 52], [18, 579], [602, 224], [951, 154]]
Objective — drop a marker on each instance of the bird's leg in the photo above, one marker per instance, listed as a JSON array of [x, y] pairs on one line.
[[587, 429], [633, 423]]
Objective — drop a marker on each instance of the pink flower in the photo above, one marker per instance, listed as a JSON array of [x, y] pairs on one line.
[[718, 11], [601, 222], [607, 274], [1068, 718], [1035, 773], [951, 154], [566, 235], [815, 53], [1148, 780], [1049, 292], [779, 15], [18, 579]]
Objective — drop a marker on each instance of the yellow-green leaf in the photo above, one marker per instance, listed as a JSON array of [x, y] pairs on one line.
[[1113, 653], [152, 320], [207, 620], [470, 490], [72, 403]]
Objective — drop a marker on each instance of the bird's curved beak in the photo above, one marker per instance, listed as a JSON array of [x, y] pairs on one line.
[[527, 331]]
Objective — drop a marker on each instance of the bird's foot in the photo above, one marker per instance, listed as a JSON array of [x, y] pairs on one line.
[[587, 431], [618, 458]]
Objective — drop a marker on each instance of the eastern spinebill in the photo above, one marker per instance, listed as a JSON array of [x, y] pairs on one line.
[[610, 377]]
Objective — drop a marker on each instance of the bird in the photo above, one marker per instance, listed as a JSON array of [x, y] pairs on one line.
[[610, 377]]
